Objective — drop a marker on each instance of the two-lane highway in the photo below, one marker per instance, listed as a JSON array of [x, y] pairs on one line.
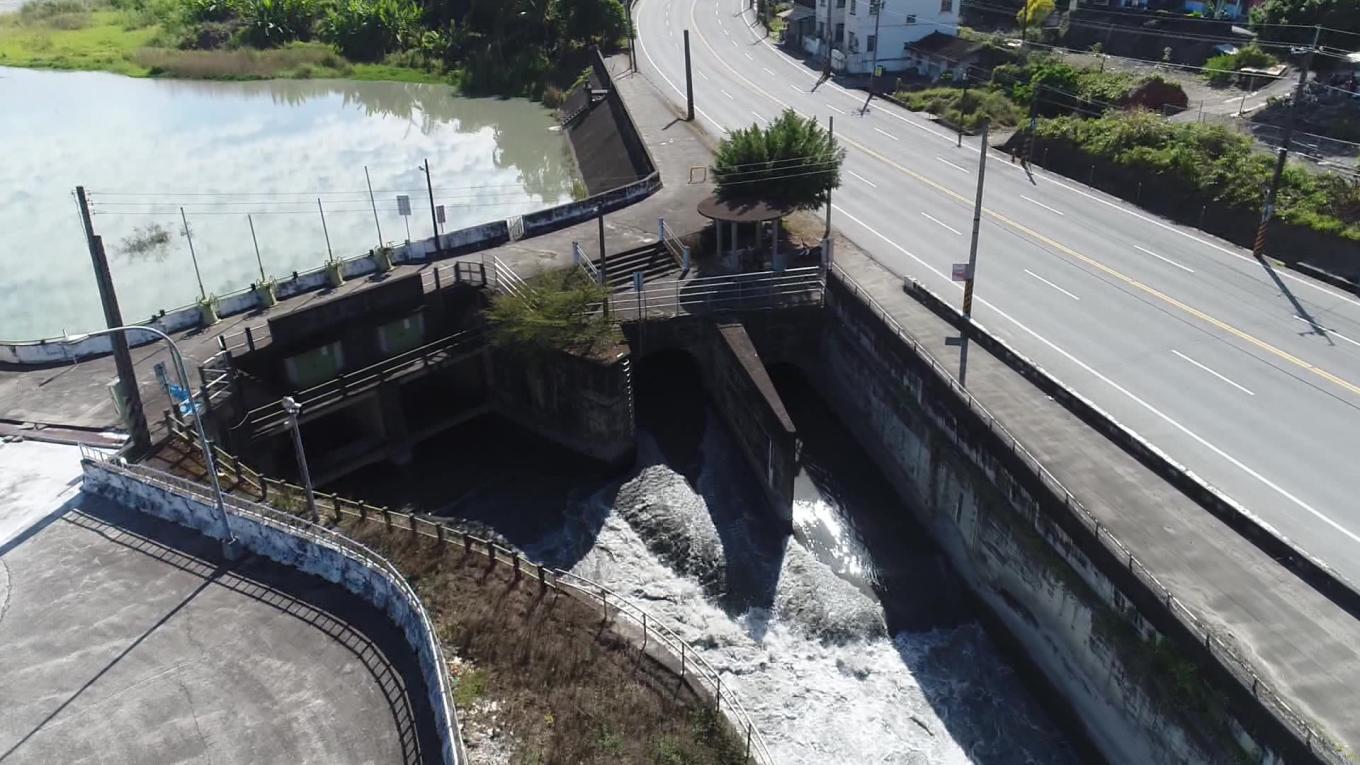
[[1248, 375]]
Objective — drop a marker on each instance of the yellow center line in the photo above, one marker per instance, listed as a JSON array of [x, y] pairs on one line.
[[1191, 310]]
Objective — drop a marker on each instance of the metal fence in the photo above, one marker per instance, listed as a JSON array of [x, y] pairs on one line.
[[446, 715], [675, 653], [761, 290], [1222, 646], [434, 354]]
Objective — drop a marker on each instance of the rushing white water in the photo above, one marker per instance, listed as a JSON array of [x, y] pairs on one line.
[[797, 636]]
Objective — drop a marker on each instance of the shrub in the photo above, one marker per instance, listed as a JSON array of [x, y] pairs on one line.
[[1222, 69], [1213, 165], [270, 23], [980, 104], [557, 311], [366, 30], [199, 11], [794, 161]]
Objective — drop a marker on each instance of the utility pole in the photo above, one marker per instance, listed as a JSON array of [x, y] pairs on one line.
[[963, 104], [113, 316], [434, 221], [189, 236], [972, 258], [831, 133], [1033, 123], [374, 204], [293, 409], [330, 256], [258, 259], [632, 37], [876, 8], [1268, 210], [689, 81]]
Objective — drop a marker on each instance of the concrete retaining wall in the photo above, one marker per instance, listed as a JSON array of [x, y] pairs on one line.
[[307, 554], [583, 404], [1081, 617]]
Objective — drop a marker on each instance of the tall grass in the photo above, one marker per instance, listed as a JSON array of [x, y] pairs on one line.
[[299, 61]]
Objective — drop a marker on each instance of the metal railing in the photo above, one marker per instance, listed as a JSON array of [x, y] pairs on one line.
[[506, 280], [1224, 648], [296, 525], [686, 660], [582, 261], [760, 290], [433, 354]]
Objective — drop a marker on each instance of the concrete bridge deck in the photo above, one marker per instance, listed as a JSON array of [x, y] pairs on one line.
[[127, 639]]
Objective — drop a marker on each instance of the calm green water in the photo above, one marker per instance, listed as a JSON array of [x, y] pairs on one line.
[[146, 148]]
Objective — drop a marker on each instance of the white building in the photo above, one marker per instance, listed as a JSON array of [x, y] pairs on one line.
[[849, 26]]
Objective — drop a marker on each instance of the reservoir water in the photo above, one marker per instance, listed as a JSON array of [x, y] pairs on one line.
[[850, 641], [145, 148]]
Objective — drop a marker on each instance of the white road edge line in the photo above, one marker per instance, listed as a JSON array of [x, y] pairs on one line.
[[1051, 284], [1212, 372], [1168, 260], [1328, 330], [762, 119], [884, 132], [960, 168], [725, 93], [938, 222], [1041, 204], [1121, 389], [862, 178]]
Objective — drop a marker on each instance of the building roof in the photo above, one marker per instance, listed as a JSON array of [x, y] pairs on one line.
[[796, 13], [743, 210], [946, 46]]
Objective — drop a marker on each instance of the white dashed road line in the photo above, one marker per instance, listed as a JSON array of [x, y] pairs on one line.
[[884, 132], [1051, 284], [1168, 260], [1041, 204], [862, 178], [960, 168], [1212, 372], [938, 222]]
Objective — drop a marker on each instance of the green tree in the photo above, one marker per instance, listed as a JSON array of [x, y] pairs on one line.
[[1033, 13], [794, 161], [585, 20], [1334, 14]]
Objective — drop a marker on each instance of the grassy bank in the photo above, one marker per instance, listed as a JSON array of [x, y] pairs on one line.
[[129, 43], [510, 47]]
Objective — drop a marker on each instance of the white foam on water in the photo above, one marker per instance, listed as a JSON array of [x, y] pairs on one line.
[[813, 666]]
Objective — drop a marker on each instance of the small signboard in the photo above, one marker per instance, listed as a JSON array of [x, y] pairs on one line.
[[637, 281], [878, 72], [403, 204], [439, 213], [961, 272]]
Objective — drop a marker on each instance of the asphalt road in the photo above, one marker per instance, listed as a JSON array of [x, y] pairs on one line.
[[1247, 375]]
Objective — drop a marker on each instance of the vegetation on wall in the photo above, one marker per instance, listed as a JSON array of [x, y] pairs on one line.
[[792, 161], [555, 311], [1212, 165], [966, 108]]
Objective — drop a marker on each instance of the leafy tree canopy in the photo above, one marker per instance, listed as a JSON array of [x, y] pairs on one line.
[[794, 161], [1335, 14]]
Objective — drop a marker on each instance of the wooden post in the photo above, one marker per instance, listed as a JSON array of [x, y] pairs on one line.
[[467, 542], [682, 661], [491, 552], [412, 518], [644, 632], [516, 563], [542, 580], [363, 511], [439, 533]]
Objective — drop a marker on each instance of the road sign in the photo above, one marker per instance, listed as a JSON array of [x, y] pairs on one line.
[[878, 72], [637, 281], [403, 204], [439, 213], [961, 272]]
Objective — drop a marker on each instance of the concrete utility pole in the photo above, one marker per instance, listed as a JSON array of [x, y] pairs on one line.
[[193, 256], [831, 132], [293, 409], [374, 203], [689, 81], [876, 8], [1033, 123], [330, 255], [972, 258], [1268, 210], [113, 317], [632, 38], [258, 260], [434, 220]]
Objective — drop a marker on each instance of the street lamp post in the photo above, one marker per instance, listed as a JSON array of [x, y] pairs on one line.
[[293, 409], [209, 464]]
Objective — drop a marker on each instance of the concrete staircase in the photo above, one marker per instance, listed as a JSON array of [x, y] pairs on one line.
[[653, 262]]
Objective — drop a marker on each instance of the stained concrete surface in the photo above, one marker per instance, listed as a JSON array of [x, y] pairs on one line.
[[125, 639]]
